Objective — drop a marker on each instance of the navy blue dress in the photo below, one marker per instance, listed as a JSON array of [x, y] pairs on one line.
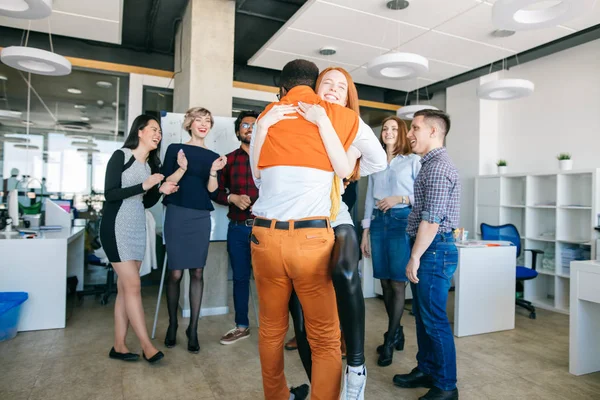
[[187, 221]]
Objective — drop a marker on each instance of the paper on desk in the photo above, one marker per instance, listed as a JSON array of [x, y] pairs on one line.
[[483, 243]]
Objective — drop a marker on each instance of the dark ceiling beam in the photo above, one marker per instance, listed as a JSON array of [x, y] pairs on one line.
[[152, 15], [263, 16]]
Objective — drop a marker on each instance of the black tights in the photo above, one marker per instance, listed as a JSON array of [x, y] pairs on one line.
[[196, 290], [350, 301], [393, 298]]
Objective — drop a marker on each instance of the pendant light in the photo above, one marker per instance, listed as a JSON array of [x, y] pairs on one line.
[[408, 112], [26, 9], [505, 89], [518, 15], [398, 66], [29, 59]]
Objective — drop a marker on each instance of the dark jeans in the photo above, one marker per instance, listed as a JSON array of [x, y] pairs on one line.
[[238, 247], [437, 354]]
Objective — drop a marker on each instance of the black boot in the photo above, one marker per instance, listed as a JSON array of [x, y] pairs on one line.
[[171, 337], [398, 340], [387, 354], [439, 394]]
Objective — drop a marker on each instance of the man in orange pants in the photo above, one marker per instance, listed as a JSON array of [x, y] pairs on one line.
[[292, 237]]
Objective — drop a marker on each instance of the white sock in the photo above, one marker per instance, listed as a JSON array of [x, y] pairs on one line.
[[357, 370], [292, 396]]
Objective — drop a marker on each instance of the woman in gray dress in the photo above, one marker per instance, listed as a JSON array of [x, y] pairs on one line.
[[187, 219], [131, 185]]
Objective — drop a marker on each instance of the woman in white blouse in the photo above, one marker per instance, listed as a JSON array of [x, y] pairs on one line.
[[388, 203]]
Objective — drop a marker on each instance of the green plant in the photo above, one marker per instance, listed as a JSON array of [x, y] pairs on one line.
[[563, 156], [501, 163]]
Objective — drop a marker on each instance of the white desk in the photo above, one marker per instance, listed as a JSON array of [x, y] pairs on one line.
[[484, 284], [40, 267], [584, 318]]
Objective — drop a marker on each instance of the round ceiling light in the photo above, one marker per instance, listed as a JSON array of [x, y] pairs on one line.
[[74, 91], [397, 4], [89, 151], [408, 112], [26, 146], [327, 51], [80, 106], [26, 9], [9, 114], [502, 33], [85, 119], [3, 78], [398, 66], [27, 123], [36, 61], [104, 84], [505, 89], [518, 15]]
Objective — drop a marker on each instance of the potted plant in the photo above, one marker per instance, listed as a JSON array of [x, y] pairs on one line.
[[501, 166], [564, 161]]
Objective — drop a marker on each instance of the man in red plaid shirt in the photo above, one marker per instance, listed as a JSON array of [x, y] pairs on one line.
[[237, 190]]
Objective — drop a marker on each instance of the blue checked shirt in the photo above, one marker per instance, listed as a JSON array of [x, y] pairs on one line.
[[437, 193]]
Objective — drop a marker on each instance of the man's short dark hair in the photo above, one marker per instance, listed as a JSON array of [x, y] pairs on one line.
[[438, 116], [299, 73], [243, 114]]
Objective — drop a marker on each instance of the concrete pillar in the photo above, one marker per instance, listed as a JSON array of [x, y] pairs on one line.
[[204, 77]]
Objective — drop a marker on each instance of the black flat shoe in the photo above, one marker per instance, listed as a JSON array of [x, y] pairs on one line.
[[439, 394], [193, 345], [155, 358], [171, 337], [123, 356]]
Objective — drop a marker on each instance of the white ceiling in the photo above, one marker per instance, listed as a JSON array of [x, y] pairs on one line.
[[455, 35], [99, 20]]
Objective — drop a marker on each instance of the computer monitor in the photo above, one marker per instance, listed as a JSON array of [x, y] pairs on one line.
[[64, 204]]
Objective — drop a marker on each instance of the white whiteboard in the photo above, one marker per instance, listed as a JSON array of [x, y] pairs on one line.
[[221, 139]]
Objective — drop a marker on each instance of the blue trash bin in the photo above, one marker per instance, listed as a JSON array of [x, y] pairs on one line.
[[10, 309]]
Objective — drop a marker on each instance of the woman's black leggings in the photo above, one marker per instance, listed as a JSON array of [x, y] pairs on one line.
[[350, 301]]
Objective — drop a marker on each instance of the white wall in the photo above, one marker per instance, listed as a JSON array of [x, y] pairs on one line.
[[561, 116]]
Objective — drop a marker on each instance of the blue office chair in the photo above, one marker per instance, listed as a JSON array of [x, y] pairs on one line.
[[509, 233]]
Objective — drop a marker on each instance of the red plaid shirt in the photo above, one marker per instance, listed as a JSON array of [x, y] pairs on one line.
[[236, 178]]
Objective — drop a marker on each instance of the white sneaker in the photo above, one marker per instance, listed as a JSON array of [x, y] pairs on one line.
[[354, 385]]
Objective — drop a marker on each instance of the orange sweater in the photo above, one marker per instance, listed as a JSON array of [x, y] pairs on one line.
[[297, 142]]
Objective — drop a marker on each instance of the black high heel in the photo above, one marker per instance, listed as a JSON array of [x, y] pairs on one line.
[[171, 337], [399, 339], [387, 354], [192, 347], [155, 358]]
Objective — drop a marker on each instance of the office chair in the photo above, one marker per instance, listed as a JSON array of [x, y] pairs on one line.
[[510, 233]]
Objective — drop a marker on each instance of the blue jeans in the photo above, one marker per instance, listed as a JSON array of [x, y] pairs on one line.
[[238, 247], [390, 244], [436, 355]]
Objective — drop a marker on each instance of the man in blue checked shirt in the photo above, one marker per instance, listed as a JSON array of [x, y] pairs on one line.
[[434, 256]]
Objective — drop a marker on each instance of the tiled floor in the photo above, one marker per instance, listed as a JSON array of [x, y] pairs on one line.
[[530, 362]]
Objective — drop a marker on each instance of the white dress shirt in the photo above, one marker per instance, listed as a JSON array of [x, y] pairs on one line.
[[289, 193]]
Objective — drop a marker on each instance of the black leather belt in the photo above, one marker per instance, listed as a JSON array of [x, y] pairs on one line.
[[247, 222], [285, 225]]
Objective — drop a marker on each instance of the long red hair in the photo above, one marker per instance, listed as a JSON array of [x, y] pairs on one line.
[[351, 103]]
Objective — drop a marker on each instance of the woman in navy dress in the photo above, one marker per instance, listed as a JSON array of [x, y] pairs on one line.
[[187, 220], [131, 184]]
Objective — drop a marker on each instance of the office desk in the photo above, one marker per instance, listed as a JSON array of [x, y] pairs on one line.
[[484, 284], [40, 267], [584, 318]]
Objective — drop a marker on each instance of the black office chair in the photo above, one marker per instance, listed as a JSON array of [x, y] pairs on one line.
[[510, 233], [102, 290]]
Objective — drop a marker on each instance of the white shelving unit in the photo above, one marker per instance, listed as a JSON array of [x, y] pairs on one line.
[[554, 212]]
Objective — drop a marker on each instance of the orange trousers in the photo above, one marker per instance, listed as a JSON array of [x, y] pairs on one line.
[[282, 258]]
